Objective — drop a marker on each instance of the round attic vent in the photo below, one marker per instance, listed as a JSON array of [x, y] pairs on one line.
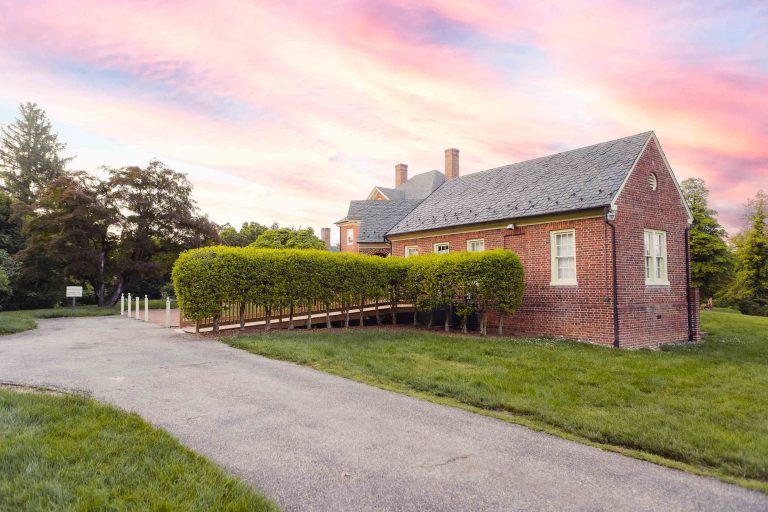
[[652, 181]]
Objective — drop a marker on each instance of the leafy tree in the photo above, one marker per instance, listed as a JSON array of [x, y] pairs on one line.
[[11, 239], [288, 238], [30, 154], [159, 220], [75, 223], [5, 288], [112, 234], [711, 260], [752, 252], [249, 233]]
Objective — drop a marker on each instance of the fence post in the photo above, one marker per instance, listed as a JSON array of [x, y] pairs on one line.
[[122, 304], [146, 308], [138, 307], [167, 311], [129, 305]]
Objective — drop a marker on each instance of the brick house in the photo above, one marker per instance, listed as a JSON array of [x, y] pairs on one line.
[[601, 232]]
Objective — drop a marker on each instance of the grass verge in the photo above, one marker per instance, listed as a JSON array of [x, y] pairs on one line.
[[25, 320], [702, 408], [72, 453]]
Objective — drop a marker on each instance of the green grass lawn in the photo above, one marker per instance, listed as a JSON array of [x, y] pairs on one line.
[[24, 320], [703, 408], [72, 453]]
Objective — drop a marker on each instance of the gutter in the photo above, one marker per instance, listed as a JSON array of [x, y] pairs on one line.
[[688, 293], [615, 300]]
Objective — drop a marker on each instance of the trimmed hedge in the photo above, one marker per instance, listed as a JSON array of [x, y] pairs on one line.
[[208, 280]]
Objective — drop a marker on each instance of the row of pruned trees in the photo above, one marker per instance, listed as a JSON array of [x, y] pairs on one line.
[[210, 280]]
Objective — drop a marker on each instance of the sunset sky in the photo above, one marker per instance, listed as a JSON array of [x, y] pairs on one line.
[[286, 110]]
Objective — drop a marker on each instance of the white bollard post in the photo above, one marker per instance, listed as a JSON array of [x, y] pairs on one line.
[[167, 311], [146, 308], [129, 305], [122, 304], [138, 308]]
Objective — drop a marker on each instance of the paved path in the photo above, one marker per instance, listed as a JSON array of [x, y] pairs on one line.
[[314, 441]]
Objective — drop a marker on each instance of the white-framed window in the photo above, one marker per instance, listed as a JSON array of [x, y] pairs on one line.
[[563, 249], [655, 257], [477, 245], [411, 250], [441, 248], [350, 236]]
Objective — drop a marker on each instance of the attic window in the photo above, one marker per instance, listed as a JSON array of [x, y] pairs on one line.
[[652, 181]]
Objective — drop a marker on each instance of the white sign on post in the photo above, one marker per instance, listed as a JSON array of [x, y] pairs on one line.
[[74, 291]]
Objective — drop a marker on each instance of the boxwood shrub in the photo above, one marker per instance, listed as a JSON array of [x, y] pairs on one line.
[[210, 279]]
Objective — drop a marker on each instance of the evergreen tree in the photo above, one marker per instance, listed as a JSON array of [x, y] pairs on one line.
[[30, 154], [752, 252], [711, 260]]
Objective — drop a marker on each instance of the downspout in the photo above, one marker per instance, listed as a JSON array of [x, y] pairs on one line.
[[615, 282], [688, 294]]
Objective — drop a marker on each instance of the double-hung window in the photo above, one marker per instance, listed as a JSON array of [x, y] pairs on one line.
[[655, 257], [476, 245], [412, 250], [350, 236], [441, 248], [563, 256]]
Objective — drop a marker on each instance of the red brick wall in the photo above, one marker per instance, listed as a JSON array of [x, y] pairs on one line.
[[578, 312], [343, 245], [651, 314], [374, 251]]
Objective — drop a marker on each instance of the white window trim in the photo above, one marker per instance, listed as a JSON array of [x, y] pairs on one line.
[[653, 280], [408, 247], [475, 240], [350, 236], [554, 280], [434, 247]]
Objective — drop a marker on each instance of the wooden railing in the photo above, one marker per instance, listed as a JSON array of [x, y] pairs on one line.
[[318, 313]]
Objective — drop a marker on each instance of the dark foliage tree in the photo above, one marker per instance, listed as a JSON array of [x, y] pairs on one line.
[[711, 260], [11, 239], [30, 154]]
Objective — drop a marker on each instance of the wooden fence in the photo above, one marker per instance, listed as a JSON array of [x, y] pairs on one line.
[[318, 314]]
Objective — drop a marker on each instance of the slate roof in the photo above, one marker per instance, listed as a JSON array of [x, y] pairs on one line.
[[574, 180], [417, 187], [378, 217]]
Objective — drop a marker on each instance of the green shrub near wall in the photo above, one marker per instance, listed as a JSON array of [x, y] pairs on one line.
[[209, 279]]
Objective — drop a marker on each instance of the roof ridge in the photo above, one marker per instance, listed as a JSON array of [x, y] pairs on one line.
[[648, 133]]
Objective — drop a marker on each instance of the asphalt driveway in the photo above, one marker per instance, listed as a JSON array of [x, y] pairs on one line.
[[314, 441]]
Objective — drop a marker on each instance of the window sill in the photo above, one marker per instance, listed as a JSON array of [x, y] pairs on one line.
[[658, 285], [564, 284]]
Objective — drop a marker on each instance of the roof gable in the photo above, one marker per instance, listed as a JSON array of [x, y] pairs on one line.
[[579, 179]]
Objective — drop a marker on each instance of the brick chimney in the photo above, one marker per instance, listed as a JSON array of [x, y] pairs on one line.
[[401, 174], [325, 236], [451, 163]]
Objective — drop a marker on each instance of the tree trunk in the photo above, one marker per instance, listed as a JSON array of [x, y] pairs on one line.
[[290, 317], [309, 315], [415, 317], [216, 323], [378, 317], [117, 292], [362, 307], [242, 316], [448, 319], [345, 306], [327, 316], [431, 318], [501, 325], [268, 318], [464, 324]]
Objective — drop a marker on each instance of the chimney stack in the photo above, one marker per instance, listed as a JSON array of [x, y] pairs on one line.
[[451, 163], [325, 236], [401, 174]]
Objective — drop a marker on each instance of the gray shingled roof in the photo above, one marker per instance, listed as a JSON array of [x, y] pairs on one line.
[[417, 187], [378, 217], [583, 178]]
